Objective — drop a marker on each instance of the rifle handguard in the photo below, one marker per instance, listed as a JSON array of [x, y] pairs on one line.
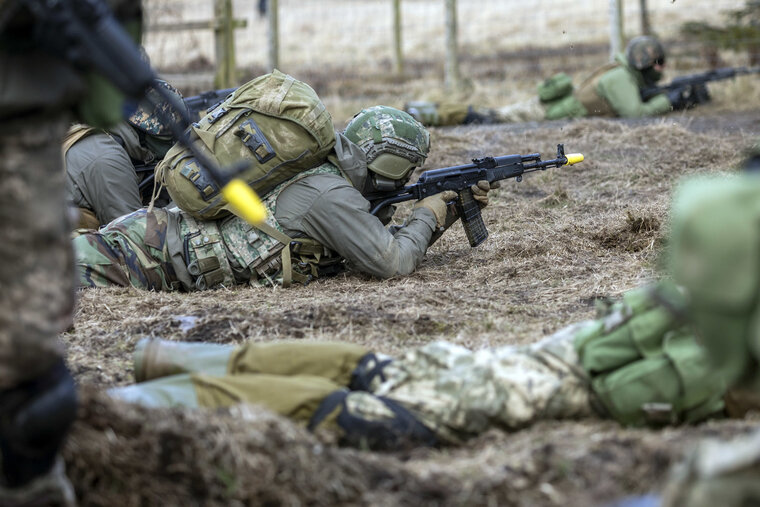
[[472, 220]]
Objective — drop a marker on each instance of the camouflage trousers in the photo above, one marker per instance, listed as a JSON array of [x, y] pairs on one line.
[[527, 110], [130, 251], [454, 392], [36, 282]]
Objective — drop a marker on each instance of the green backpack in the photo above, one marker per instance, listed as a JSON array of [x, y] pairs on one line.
[[275, 122], [646, 366]]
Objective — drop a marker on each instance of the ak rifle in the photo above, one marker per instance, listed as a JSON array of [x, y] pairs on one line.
[[461, 178], [199, 104], [696, 84]]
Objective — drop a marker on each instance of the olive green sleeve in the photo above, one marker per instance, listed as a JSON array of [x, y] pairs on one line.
[[104, 175], [621, 91], [328, 209]]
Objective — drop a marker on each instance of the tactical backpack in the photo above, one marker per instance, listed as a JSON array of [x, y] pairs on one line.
[[556, 95], [646, 366], [275, 122]]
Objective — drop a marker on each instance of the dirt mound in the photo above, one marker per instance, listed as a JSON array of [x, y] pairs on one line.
[[636, 234], [121, 454]]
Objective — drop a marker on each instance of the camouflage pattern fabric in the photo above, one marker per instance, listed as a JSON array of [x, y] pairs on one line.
[[458, 393], [527, 110], [131, 250], [151, 110], [725, 473], [36, 300], [383, 130], [452, 391], [644, 51]]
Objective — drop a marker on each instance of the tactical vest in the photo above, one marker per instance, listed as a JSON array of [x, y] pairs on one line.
[[595, 104], [216, 250]]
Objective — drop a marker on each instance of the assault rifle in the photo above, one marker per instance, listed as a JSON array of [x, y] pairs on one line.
[[696, 84], [461, 178], [199, 104]]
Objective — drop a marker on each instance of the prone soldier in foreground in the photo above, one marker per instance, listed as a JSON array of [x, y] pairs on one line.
[[665, 354]]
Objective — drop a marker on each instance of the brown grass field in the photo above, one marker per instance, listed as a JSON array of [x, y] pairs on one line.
[[558, 241]]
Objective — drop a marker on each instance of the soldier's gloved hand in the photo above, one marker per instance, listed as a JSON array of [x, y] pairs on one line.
[[678, 99], [438, 204], [480, 191], [698, 94]]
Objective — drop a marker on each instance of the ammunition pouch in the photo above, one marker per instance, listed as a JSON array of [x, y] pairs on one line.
[[205, 254], [646, 366]]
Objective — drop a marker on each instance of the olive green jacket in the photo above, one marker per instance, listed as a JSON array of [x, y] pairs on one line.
[[621, 89], [100, 174]]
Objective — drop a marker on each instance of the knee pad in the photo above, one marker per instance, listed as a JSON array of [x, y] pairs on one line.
[[374, 422]]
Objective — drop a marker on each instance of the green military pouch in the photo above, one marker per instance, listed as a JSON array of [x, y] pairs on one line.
[[677, 385], [640, 337], [567, 107], [558, 86]]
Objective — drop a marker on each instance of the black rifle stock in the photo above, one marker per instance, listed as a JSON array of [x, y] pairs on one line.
[[697, 81], [461, 178]]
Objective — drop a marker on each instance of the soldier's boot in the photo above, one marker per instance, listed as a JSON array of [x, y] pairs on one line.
[[154, 358], [173, 391], [34, 419]]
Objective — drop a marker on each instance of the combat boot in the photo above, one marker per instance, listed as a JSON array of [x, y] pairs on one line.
[[155, 358]]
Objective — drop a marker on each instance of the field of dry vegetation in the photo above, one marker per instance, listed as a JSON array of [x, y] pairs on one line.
[[559, 240]]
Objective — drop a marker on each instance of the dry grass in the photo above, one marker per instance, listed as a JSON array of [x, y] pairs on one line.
[[558, 240]]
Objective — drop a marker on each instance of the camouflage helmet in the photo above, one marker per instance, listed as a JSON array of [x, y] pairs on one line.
[[146, 117], [395, 143], [644, 51]]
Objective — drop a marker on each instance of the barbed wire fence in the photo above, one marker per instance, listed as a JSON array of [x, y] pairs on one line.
[[223, 42]]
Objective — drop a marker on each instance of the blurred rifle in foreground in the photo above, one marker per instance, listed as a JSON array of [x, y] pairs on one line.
[[461, 178], [693, 88]]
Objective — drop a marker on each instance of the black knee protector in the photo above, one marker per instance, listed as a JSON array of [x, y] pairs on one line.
[[34, 419], [362, 429], [475, 118]]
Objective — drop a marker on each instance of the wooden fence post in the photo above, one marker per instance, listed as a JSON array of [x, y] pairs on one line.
[[616, 27], [452, 53], [274, 35], [646, 25], [224, 42], [398, 54]]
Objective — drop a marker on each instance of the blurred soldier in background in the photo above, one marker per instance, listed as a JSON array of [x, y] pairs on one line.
[[662, 355], [317, 219], [612, 90], [101, 176], [39, 90]]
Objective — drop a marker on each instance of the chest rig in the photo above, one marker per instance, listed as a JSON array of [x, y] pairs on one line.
[[230, 251]]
